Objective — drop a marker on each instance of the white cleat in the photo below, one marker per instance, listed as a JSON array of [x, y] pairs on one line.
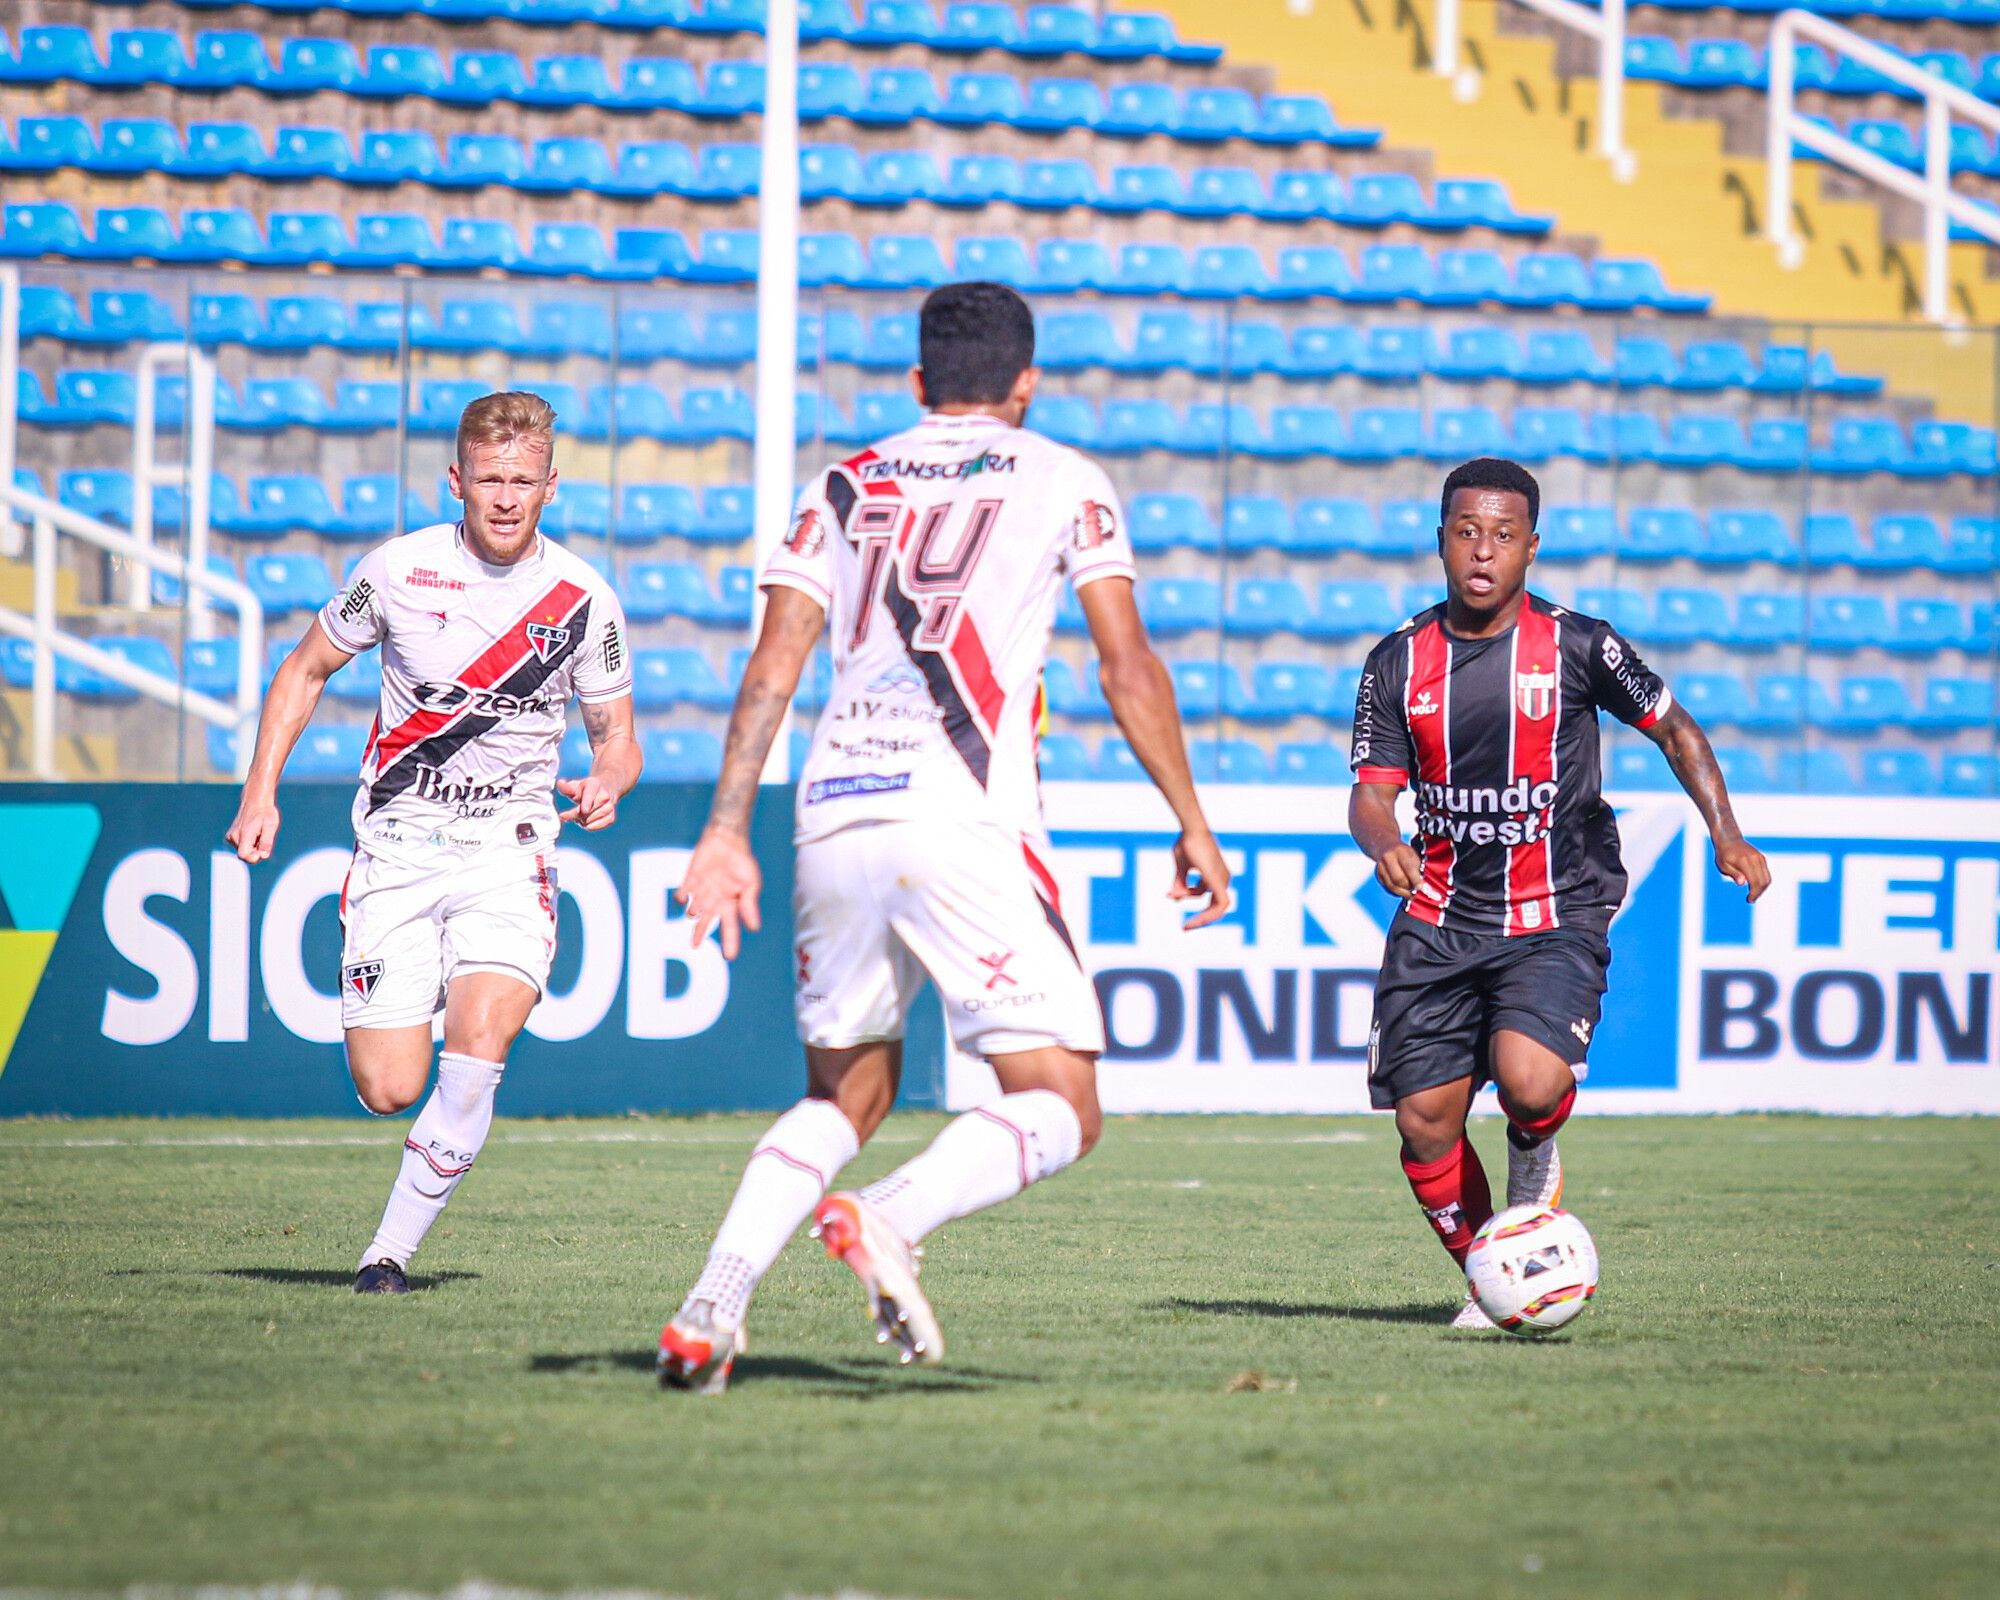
[[698, 1352], [1470, 1316], [887, 1267], [1534, 1175]]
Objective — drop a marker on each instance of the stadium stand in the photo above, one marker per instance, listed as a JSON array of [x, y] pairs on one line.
[[1276, 324]]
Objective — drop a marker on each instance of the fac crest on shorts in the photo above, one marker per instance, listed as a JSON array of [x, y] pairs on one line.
[[1535, 694], [360, 977], [545, 640]]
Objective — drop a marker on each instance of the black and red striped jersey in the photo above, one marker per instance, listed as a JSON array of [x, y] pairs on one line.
[[1498, 738]]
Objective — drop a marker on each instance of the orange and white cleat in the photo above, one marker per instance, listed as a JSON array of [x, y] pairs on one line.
[[854, 1234], [697, 1352], [1534, 1172]]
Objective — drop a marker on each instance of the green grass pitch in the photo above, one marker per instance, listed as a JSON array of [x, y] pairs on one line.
[[1209, 1360]]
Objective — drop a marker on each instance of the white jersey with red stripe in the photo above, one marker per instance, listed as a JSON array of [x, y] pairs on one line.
[[478, 665], [939, 555]]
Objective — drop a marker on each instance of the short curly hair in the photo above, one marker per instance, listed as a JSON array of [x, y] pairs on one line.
[[1490, 472]]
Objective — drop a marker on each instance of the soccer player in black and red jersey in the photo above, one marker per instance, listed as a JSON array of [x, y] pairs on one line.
[[1494, 968]]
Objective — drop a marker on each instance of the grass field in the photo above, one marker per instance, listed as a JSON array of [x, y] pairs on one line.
[[1209, 1360]]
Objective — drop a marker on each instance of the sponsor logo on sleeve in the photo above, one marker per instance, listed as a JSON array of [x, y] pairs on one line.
[[808, 535], [614, 650], [1096, 525], [354, 605]]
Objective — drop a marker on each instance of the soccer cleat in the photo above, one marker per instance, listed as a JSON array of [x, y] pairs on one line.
[[887, 1267], [697, 1352], [1534, 1172], [1470, 1316], [381, 1277]]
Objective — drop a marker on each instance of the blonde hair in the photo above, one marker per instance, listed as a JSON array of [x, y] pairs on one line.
[[504, 417]]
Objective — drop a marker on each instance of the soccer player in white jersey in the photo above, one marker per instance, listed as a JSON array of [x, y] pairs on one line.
[[935, 559], [486, 631]]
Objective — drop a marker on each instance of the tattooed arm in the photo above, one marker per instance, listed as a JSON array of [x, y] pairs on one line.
[[614, 764], [722, 879], [1687, 751]]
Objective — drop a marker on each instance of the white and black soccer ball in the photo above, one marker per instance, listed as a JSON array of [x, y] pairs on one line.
[[1532, 1268]]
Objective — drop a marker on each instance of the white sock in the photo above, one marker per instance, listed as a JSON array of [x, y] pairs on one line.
[[440, 1149], [986, 1156], [793, 1165]]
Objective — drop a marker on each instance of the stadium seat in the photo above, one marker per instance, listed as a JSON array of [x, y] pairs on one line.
[[1925, 626], [1709, 364], [1766, 621], [1279, 691], [662, 679], [1229, 761], [1567, 356], [1577, 533], [1737, 537], [1062, 758], [1784, 702], [1173, 606], [1686, 617], [1866, 705], [1322, 351], [1625, 609], [1251, 522], [1051, 30], [1116, 763], [105, 495], [1714, 699], [40, 228], [1074, 695], [1847, 622], [1260, 607], [1969, 773], [650, 83], [288, 581], [1308, 764], [1353, 610], [1813, 772], [1165, 521], [1660, 533], [1889, 771], [674, 756], [972, 25], [1197, 690]]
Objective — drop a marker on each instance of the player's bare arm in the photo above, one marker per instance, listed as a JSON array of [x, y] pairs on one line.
[[1141, 693], [615, 763], [1687, 751], [288, 707], [1371, 819], [723, 880]]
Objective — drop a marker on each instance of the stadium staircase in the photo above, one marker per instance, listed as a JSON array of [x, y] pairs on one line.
[[1283, 280]]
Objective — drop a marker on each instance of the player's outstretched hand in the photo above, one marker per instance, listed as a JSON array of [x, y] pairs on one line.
[[1200, 870], [596, 802], [1742, 862], [721, 886], [255, 830], [1400, 871]]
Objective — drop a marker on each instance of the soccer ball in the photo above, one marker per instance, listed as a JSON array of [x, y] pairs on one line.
[[1532, 1268]]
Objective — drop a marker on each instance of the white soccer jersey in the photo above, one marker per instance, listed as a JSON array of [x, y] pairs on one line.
[[939, 555], [478, 665]]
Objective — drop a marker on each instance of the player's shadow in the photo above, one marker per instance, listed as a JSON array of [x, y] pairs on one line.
[[1415, 1311], [857, 1380], [332, 1277]]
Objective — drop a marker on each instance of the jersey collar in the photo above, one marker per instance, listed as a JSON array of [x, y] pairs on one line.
[[530, 563]]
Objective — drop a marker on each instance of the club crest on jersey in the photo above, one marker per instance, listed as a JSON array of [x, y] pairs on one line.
[[545, 640], [359, 978], [1535, 694]]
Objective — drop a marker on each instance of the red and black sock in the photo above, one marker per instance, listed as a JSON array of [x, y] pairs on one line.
[[1452, 1190], [1524, 1133]]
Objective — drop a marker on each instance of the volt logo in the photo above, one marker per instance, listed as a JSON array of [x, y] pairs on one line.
[[49, 846]]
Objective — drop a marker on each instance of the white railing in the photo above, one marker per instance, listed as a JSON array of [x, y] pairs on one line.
[[1942, 204], [150, 472], [41, 628], [1606, 25]]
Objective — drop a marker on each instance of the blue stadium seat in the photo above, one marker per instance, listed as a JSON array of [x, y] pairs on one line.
[[900, 177], [1279, 691], [39, 228], [1626, 285], [652, 83], [1639, 363], [1866, 705], [367, 510], [558, 329], [998, 261], [580, 509], [1139, 110], [1353, 610], [49, 312], [980, 180], [1116, 763], [1660, 533], [86, 398], [709, 414], [1637, 766], [51, 53], [728, 255], [1625, 609], [1073, 695], [1173, 606], [1766, 621], [1708, 364], [313, 66], [1954, 705], [1215, 113], [1323, 351], [472, 325], [1384, 433], [1253, 521], [1068, 341], [1250, 348], [1695, 440], [1685, 617], [1308, 764], [1464, 432], [398, 71], [1925, 626], [1725, 64], [1133, 426], [1563, 356], [1145, 269], [1467, 277], [1260, 607], [1940, 447], [1394, 272], [1056, 104], [1376, 199], [1813, 772], [1396, 353], [896, 96], [1226, 272], [1067, 420], [124, 316], [1783, 702], [308, 153], [289, 581], [1197, 690], [830, 89], [1051, 30], [1888, 771], [1969, 773], [904, 261], [1653, 58], [1061, 757], [972, 25], [1166, 521], [679, 676], [397, 156], [885, 23], [1296, 196], [1862, 444], [1714, 699], [680, 757], [1548, 278], [105, 495], [1904, 543], [226, 59], [1577, 533], [1737, 537], [1840, 622], [389, 240], [1308, 270], [557, 166], [827, 259], [648, 511], [1469, 202], [1301, 431], [43, 144], [1223, 192], [1229, 761], [136, 57], [1294, 119]]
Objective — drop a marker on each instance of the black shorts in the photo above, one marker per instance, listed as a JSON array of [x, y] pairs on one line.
[[1443, 994]]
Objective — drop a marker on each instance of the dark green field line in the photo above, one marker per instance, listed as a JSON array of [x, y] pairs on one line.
[[1210, 1359]]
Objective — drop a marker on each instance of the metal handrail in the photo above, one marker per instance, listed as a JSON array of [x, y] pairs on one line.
[[50, 518], [1785, 126], [1606, 26]]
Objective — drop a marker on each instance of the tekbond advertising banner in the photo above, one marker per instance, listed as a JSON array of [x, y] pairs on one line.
[[1862, 981], [144, 970]]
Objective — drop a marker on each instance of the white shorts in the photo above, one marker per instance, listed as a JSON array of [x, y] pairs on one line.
[[408, 929], [876, 907]]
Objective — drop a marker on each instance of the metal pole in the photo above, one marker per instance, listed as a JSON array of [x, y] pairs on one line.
[[777, 313], [145, 457], [10, 384], [1937, 218], [42, 696], [201, 460], [1611, 90], [1444, 40], [1778, 141]]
